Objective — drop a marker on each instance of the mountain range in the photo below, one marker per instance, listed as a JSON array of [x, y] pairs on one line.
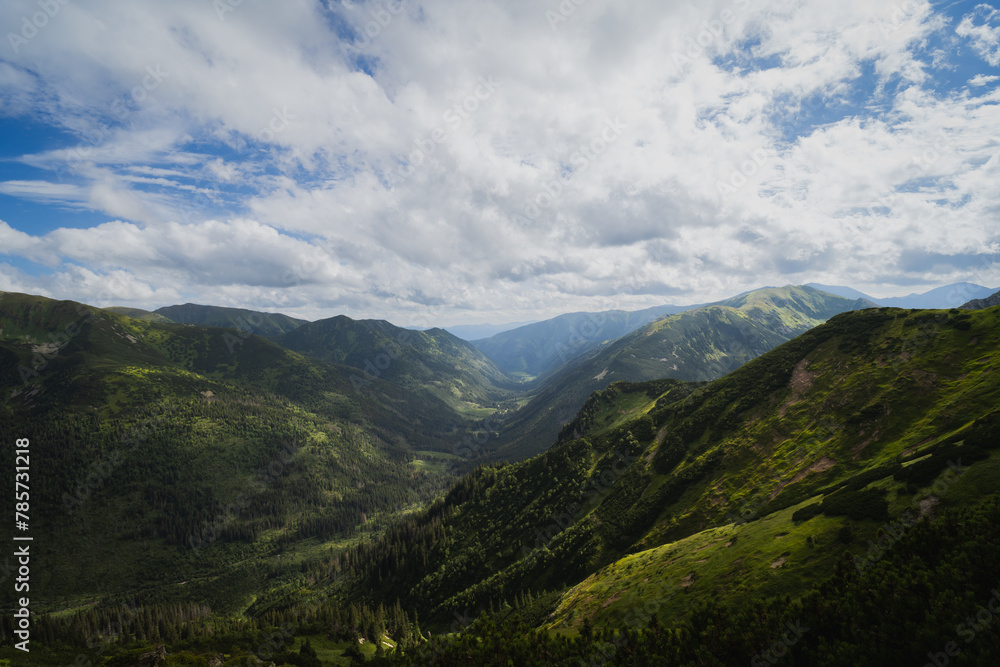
[[536, 349], [948, 296], [203, 486], [699, 344]]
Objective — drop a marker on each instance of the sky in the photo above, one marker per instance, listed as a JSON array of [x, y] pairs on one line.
[[450, 162]]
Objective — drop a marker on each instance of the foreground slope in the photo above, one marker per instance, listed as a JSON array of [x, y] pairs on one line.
[[699, 344], [666, 493]]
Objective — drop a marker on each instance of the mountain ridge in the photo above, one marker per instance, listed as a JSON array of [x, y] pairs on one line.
[[946, 296], [258, 322], [432, 360], [979, 304], [699, 344]]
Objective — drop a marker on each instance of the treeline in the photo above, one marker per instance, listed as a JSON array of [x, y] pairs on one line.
[[213, 474], [111, 634], [933, 597]]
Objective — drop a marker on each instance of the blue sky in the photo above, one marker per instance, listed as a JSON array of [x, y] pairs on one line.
[[431, 163]]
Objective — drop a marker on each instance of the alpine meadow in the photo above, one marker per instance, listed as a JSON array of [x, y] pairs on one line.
[[500, 333]]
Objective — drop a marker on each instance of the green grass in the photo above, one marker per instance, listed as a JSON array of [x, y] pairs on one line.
[[733, 560]]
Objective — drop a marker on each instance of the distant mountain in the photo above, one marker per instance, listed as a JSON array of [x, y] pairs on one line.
[[140, 314], [847, 292], [979, 304], [700, 344], [479, 331], [252, 321], [434, 360], [538, 348], [948, 296]]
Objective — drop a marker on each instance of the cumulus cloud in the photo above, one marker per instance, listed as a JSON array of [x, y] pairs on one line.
[[982, 28], [512, 159]]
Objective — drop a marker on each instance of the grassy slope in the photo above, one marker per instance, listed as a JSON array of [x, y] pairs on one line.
[[868, 389], [912, 386]]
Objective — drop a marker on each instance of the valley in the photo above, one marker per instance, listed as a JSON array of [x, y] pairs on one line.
[[205, 487]]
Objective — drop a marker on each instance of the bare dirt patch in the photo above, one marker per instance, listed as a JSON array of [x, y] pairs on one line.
[[47, 349], [616, 596], [910, 450], [821, 465], [927, 506], [801, 382], [778, 563]]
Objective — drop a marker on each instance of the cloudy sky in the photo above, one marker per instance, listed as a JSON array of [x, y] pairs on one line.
[[443, 162]]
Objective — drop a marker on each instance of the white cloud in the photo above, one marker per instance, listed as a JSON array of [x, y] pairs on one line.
[[42, 191], [473, 166], [982, 80], [982, 28]]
